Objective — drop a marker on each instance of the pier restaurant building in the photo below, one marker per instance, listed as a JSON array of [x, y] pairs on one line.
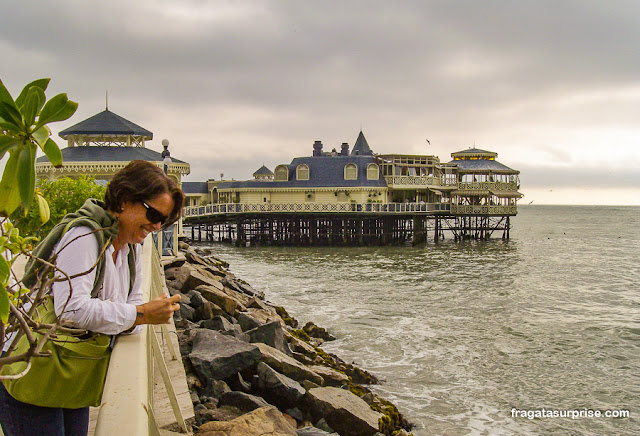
[[352, 197]]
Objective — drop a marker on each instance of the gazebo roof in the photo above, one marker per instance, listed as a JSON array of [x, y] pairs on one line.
[[108, 154], [106, 123], [263, 171]]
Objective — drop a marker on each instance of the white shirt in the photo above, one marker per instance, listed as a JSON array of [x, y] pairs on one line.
[[114, 311]]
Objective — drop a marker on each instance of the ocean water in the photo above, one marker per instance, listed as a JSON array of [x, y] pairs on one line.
[[463, 333]]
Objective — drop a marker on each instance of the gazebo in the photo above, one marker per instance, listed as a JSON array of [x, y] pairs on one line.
[[103, 144]]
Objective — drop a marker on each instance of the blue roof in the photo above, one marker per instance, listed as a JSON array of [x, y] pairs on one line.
[[195, 187], [263, 171], [481, 164], [106, 123], [324, 171], [107, 154], [361, 146]]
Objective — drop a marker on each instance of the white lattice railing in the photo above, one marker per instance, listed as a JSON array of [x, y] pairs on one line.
[[457, 209], [486, 186], [234, 208]]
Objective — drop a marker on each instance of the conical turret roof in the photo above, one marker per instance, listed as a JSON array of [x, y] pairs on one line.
[[361, 146]]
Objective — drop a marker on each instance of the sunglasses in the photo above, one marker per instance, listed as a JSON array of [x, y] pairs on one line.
[[154, 215]]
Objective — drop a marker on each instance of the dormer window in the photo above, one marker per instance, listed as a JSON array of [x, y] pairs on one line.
[[282, 173], [351, 172], [373, 172], [302, 172]]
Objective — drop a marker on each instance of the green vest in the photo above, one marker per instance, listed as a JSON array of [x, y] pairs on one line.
[[92, 214]]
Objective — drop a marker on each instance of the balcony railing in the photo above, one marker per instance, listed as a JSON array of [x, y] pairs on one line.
[[395, 181], [236, 208], [488, 186], [461, 209]]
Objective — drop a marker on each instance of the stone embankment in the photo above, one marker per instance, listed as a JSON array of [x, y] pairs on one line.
[[252, 371]]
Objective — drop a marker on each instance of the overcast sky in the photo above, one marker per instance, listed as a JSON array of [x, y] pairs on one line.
[[552, 86]]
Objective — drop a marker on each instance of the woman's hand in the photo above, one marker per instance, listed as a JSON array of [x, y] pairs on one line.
[[157, 311]]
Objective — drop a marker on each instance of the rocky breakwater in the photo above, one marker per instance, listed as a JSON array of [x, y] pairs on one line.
[[252, 371]]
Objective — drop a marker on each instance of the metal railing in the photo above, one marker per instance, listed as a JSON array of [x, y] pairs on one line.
[[127, 403]]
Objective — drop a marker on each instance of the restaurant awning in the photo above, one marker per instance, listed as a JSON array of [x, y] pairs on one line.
[[471, 193], [507, 194]]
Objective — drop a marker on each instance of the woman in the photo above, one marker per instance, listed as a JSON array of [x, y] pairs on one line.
[[139, 200]]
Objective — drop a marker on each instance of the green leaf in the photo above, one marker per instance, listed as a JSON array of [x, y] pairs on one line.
[[53, 152], [6, 143], [33, 104], [9, 191], [4, 270], [10, 127], [57, 109], [4, 304], [39, 83], [5, 96], [43, 208], [11, 114], [41, 135], [27, 174]]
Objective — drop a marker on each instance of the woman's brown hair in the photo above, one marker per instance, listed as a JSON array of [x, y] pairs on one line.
[[141, 181]]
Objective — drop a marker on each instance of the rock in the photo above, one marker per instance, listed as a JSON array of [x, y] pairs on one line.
[[300, 346], [243, 401], [224, 413], [307, 385], [198, 277], [186, 312], [270, 334], [330, 376], [218, 323], [296, 414], [247, 322], [216, 388], [287, 365], [216, 356], [313, 431], [263, 316], [204, 311], [177, 275], [219, 298], [266, 421], [279, 389], [195, 299], [317, 332], [345, 412], [322, 425]]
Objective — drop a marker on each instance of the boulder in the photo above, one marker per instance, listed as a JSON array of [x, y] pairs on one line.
[[330, 376], [243, 401], [216, 356], [287, 365], [224, 413], [186, 312], [266, 421], [219, 298], [344, 412], [279, 389], [313, 431], [317, 332], [177, 276], [198, 277], [247, 322], [270, 334]]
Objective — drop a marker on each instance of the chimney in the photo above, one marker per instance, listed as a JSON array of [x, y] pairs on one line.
[[317, 148], [345, 149]]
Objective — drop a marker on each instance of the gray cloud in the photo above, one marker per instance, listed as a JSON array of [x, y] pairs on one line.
[[238, 83]]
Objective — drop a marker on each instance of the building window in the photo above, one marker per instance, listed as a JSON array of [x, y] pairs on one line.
[[350, 172], [373, 172], [282, 173], [302, 172]]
